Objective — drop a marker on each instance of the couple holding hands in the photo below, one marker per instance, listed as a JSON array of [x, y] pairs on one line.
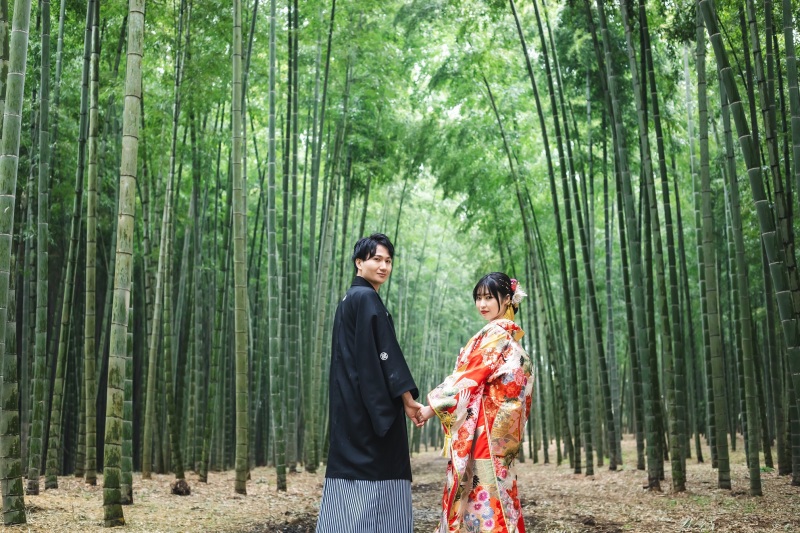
[[482, 406]]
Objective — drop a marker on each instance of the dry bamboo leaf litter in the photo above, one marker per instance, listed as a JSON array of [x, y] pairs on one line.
[[554, 499]]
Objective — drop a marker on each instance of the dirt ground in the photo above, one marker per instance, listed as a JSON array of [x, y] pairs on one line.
[[554, 500]]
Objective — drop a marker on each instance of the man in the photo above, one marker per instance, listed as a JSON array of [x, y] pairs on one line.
[[368, 477]]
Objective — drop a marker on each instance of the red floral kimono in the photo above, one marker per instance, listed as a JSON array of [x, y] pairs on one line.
[[483, 406]]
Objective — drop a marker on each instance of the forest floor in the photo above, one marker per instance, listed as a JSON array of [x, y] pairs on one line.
[[553, 498]]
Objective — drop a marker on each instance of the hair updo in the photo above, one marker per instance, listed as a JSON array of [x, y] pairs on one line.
[[498, 285]]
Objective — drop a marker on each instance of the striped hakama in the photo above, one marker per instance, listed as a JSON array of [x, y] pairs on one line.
[[364, 506]]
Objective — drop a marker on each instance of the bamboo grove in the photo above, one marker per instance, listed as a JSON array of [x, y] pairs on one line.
[[181, 184]]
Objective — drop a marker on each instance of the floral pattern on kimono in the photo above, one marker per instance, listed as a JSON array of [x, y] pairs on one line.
[[483, 406]]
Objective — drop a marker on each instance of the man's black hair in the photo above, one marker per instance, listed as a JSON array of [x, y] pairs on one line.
[[366, 247], [496, 283]]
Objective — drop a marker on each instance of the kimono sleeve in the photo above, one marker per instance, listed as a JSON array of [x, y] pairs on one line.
[[452, 397], [383, 374]]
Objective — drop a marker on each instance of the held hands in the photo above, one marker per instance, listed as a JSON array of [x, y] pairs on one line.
[[425, 414], [414, 410]]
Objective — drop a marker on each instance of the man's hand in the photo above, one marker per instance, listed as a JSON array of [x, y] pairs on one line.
[[413, 409], [412, 412]]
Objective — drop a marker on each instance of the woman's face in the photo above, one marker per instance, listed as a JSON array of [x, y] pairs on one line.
[[488, 306]]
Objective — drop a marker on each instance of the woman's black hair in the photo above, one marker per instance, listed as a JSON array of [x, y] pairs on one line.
[[497, 284], [367, 246]]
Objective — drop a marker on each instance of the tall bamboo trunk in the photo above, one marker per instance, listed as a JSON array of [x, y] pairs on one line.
[[286, 288], [200, 352], [650, 370], [11, 464], [691, 363], [42, 241], [90, 347], [239, 261], [794, 91], [310, 409], [744, 305], [295, 296], [28, 348], [122, 302], [709, 256], [276, 359], [75, 346], [4, 56]]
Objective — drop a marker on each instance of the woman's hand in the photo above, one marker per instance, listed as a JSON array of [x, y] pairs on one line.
[[425, 413]]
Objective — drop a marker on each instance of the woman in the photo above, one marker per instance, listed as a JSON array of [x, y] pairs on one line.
[[483, 406]]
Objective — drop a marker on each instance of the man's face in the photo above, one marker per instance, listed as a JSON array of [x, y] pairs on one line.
[[375, 269]]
